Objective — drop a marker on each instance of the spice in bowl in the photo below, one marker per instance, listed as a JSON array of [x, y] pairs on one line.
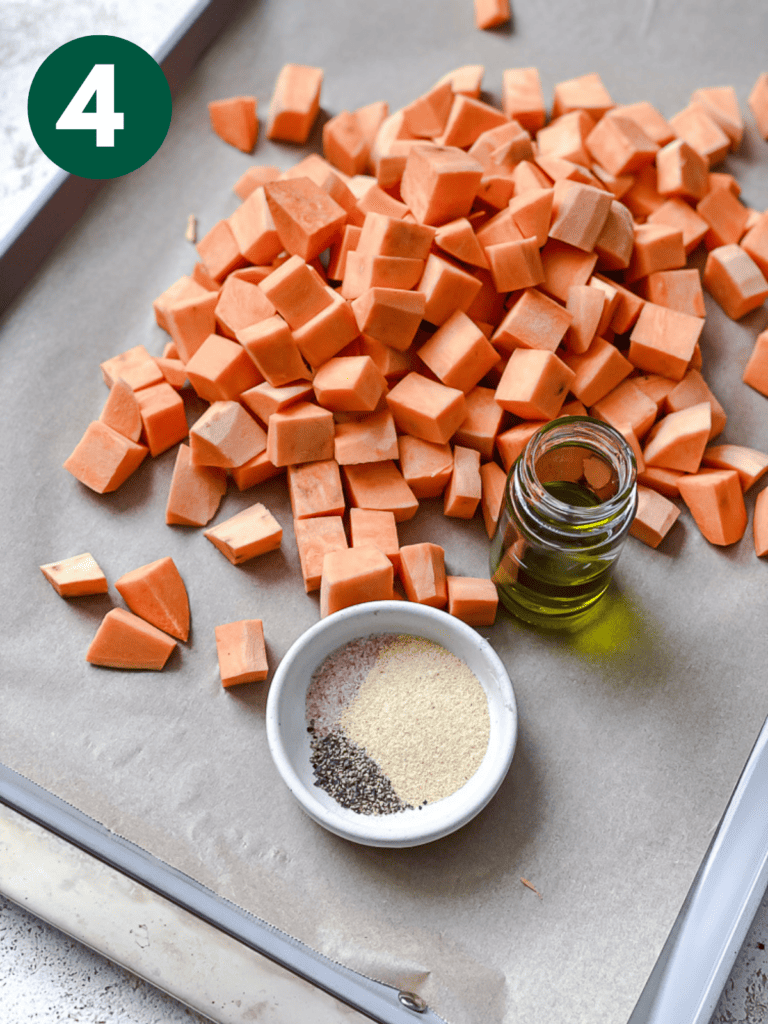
[[397, 722]]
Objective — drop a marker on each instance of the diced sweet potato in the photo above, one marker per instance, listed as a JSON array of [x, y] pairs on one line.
[[482, 423], [760, 521], [75, 576], [663, 340], [680, 439], [241, 652], [464, 490], [493, 480], [458, 353], [654, 518], [195, 492], [735, 280], [349, 384], [473, 600], [380, 485], [221, 369], [426, 466], [315, 489], [597, 371], [156, 593], [226, 436], [295, 103], [534, 321], [234, 120], [716, 502], [369, 439], [315, 537], [104, 459], [422, 570], [748, 463], [306, 218], [354, 576], [439, 183], [252, 532], [123, 640], [426, 408], [300, 433], [522, 97], [377, 528], [121, 410], [534, 384]]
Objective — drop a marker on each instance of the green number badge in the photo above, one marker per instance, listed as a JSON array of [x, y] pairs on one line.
[[99, 106]]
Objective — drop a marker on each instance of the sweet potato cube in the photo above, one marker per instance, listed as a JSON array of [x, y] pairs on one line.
[[76, 576], [586, 92], [722, 105], [349, 384], [511, 442], [564, 266], [364, 271], [380, 485], [446, 288], [467, 79], [680, 439], [426, 466], [220, 252], [296, 291], [295, 103], [468, 118], [306, 218], [491, 13], [458, 353], [123, 640], [373, 527], [677, 213], [369, 439], [654, 518], [354, 576], [663, 340], [620, 145], [274, 352], [616, 240], [534, 384], [130, 365], [681, 171], [315, 537], [315, 489], [301, 433], [522, 98], [755, 242], [656, 247], [381, 235], [473, 600], [255, 471], [426, 408], [735, 281], [104, 459], [422, 570], [760, 519], [440, 183], [344, 143], [756, 371], [534, 321], [676, 289], [253, 229], [482, 423], [156, 592], [585, 304], [758, 103], [195, 492], [563, 139], [464, 490], [255, 177], [716, 502], [597, 371], [580, 217], [226, 436], [664, 481], [252, 532], [389, 315], [328, 332], [494, 481], [692, 390], [234, 120], [458, 239], [626, 404], [121, 410], [221, 370], [264, 399], [748, 463], [190, 321], [515, 264], [183, 288], [726, 216], [425, 117], [241, 652]]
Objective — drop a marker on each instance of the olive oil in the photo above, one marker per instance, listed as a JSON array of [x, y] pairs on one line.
[[559, 536]]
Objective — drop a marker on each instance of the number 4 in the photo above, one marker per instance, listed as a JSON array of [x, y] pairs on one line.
[[104, 120]]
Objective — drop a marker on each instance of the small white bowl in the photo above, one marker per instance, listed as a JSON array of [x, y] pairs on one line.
[[289, 741]]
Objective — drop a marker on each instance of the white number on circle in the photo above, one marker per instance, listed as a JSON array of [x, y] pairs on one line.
[[105, 121]]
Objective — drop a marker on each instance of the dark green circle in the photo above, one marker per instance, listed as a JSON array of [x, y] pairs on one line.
[[141, 94]]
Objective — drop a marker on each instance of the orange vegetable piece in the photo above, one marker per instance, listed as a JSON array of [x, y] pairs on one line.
[[104, 459], [156, 593], [597, 371], [241, 303], [349, 384], [493, 480], [522, 97], [422, 570], [491, 13], [726, 216], [755, 242], [735, 280], [459, 240], [534, 321], [665, 481], [76, 576], [440, 183], [380, 485], [473, 600], [252, 532], [615, 242], [515, 264], [701, 132], [657, 247], [132, 363], [716, 502], [226, 436], [466, 79], [344, 143], [426, 408], [234, 120], [303, 432], [195, 492], [676, 289], [315, 537], [328, 332], [691, 390], [581, 214], [315, 489], [678, 214], [295, 103], [255, 471], [296, 291], [123, 640], [627, 404], [760, 522], [563, 142], [681, 171], [748, 463], [121, 410], [364, 271], [722, 105], [306, 218], [620, 145], [184, 287], [534, 384], [458, 353], [585, 304], [354, 576], [219, 251], [758, 103], [264, 399], [369, 439], [241, 652], [381, 235], [680, 439], [274, 352], [482, 423], [446, 288], [756, 371], [254, 178], [511, 442], [586, 92], [464, 490], [389, 315], [190, 321], [654, 518], [564, 266], [663, 340], [426, 466], [221, 370], [337, 258], [254, 229], [377, 528]]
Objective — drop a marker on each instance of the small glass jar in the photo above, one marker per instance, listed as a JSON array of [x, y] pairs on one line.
[[569, 501]]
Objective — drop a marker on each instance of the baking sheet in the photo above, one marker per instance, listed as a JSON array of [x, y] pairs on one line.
[[631, 734]]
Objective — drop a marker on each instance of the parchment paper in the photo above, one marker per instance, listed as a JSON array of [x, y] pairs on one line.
[[632, 734]]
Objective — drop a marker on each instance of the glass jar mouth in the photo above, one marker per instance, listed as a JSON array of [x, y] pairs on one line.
[[593, 456]]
